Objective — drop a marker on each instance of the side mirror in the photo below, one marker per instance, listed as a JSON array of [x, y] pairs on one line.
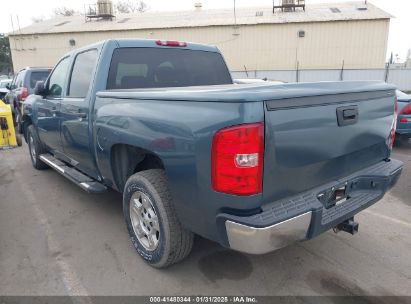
[[40, 89], [8, 87]]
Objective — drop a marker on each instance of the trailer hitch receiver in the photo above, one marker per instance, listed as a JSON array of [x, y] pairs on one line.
[[349, 226]]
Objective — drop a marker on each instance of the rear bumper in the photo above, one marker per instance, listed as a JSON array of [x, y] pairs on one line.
[[303, 216], [404, 132]]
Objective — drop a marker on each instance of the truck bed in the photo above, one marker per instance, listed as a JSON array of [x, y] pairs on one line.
[[248, 92]]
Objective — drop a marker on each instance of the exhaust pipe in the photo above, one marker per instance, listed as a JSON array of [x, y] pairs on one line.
[[349, 226]]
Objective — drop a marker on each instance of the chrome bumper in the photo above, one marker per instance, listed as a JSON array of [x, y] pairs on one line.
[[263, 240]]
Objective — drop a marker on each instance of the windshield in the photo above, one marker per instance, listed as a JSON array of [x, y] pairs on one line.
[[166, 67]]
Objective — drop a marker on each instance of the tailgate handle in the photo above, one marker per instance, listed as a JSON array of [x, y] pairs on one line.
[[347, 115]]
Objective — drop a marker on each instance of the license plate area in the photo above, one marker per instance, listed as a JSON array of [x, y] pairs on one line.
[[334, 196]]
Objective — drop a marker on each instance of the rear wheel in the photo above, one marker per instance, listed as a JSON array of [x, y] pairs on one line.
[[35, 149], [152, 222], [18, 126]]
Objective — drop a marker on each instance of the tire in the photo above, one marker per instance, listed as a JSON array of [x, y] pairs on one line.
[[18, 123], [19, 140], [400, 140], [35, 149], [171, 243]]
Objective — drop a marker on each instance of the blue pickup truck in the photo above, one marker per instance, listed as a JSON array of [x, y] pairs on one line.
[[254, 167]]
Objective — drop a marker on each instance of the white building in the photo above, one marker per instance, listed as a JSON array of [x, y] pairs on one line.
[[321, 37]]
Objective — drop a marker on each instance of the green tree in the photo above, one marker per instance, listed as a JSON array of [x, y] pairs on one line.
[[6, 65]]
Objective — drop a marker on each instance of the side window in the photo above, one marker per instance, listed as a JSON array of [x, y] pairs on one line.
[[56, 80], [19, 79], [82, 73], [13, 83]]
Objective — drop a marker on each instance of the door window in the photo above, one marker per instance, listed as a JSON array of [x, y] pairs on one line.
[[57, 78], [82, 74], [19, 79]]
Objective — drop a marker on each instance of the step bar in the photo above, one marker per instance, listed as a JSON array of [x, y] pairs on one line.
[[83, 181]]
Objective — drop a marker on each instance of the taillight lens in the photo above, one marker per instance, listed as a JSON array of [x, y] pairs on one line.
[[406, 110], [404, 120], [394, 124], [238, 159], [24, 94]]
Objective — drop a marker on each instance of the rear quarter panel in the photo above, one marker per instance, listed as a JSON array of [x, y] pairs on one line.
[[189, 127]]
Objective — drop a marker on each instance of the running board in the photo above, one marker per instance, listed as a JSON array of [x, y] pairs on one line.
[[83, 181]]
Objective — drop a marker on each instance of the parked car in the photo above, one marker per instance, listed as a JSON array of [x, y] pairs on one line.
[[22, 86], [4, 83], [404, 115], [252, 167]]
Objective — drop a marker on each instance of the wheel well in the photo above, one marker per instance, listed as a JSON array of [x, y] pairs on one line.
[[127, 160]]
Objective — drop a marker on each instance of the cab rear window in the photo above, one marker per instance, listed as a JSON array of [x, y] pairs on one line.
[[165, 67]]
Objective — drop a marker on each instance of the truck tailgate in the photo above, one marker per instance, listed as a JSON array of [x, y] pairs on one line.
[[314, 140]]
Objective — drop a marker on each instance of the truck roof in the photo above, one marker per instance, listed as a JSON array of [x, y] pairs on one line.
[[152, 43], [146, 43]]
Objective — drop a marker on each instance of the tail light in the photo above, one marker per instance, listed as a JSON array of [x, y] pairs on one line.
[[171, 43], [394, 124], [238, 159], [24, 94], [406, 110]]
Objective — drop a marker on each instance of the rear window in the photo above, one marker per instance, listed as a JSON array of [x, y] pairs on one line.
[[165, 67], [38, 76]]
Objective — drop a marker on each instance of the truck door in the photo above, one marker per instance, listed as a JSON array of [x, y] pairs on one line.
[[75, 131], [48, 122]]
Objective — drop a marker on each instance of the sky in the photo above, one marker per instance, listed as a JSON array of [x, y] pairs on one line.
[[399, 38]]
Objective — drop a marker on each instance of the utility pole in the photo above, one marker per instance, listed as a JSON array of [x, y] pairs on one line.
[[235, 15], [12, 26]]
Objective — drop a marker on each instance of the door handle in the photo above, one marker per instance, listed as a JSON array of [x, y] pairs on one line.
[[54, 112], [350, 114], [81, 115], [347, 115]]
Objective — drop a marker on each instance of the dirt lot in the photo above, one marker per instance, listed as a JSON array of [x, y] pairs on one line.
[[56, 239]]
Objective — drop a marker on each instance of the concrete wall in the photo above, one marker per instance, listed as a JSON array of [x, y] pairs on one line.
[[360, 44]]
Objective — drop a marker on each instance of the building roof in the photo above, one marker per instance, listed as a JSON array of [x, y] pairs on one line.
[[203, 17]]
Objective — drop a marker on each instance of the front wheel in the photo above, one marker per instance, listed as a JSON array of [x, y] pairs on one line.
[[152, 222], [35, 149]]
